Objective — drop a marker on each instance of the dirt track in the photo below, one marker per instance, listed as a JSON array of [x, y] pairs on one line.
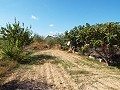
[[66, 72]]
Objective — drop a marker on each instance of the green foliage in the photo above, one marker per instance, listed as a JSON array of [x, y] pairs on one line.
[[50, 40], [73, 35], [59, 38], [14, 39], [10, 52], [104, 36], [38, 38], [84, 48]]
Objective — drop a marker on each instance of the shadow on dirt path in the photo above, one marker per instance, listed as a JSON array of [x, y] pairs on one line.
[[25, 85], [37, 59]]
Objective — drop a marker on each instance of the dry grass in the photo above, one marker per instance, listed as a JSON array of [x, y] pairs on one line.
[[88, 74], [6, 65], [60, 70], [38, 46]]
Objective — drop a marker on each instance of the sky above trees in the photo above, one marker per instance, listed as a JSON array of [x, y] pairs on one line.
[[48, 17]]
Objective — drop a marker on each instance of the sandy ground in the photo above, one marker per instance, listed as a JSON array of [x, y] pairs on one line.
[[71, 72]]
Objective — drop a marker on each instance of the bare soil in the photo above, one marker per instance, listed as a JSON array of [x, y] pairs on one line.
[[66, 71]]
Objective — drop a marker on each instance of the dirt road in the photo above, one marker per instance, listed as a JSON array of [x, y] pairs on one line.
[[59, 70]]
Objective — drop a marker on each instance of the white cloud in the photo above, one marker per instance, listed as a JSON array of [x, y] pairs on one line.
[[34, 17], [51, 25]]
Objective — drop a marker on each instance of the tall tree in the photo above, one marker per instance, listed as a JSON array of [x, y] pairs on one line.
[[14, 39]]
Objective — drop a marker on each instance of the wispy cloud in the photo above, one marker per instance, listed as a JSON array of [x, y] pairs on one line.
[[51, 25], [34, 17]]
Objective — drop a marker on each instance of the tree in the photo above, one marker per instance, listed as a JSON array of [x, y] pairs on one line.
[[38, 38], [50, 40], [14, 39]]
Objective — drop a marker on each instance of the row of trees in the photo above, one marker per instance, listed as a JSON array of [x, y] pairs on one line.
[[49, 41], [104, 39], [99, 40]]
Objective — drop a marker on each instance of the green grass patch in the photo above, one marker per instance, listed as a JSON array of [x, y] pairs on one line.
[[77, 72]]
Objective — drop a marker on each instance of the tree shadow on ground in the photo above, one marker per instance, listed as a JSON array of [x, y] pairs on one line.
[[25, 85], [117, 65], [37, 59]]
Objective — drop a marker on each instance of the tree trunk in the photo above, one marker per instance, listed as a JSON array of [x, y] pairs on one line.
[[104, 57]]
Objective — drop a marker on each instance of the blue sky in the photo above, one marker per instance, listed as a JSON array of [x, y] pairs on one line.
[[50, 16]]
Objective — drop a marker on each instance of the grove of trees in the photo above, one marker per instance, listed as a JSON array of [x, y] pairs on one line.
[[103, 39], [99, 40]]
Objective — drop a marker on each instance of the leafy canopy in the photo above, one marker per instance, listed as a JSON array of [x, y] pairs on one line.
[[14, 38]]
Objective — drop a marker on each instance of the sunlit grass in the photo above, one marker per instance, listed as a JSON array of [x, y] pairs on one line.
[[6, 65]]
